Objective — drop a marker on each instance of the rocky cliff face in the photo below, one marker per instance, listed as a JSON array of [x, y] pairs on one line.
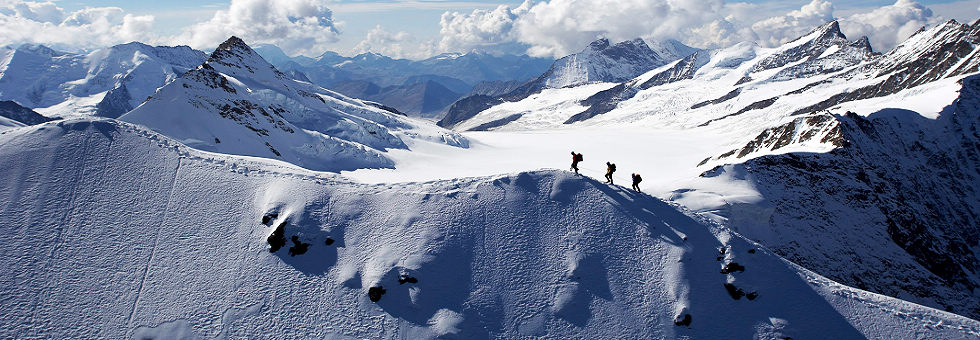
[[12, 110], [947, 50]]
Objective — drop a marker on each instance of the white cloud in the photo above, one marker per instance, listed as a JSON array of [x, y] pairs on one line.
[[46, 23], [889, 25], [296, 26], [395, 45], [480, 29], [552, 28], [559, 27], [781, 29], [556, 28]]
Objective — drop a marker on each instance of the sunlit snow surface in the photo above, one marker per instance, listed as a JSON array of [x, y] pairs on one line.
[[666, 157], [113, 231]]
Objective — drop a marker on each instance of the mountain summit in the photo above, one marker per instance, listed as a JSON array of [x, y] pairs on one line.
[[605, 62], [238, 103], [601, 61]]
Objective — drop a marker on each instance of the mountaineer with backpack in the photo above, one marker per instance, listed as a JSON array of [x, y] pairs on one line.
[[636, 182], [610, 169], [576, 157]]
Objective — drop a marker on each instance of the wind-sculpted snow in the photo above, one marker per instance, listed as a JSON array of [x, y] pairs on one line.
[[237, 103], [114, 231], [106, 82]]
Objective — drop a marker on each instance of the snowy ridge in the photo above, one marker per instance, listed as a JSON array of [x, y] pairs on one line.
[[539, 254], [237, 103], [106, 82]]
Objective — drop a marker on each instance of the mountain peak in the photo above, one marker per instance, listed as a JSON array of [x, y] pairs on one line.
[[233, 47], [232, 43], [234, 57], [829, 31], [863, 43], [38, 49], [599, 44]]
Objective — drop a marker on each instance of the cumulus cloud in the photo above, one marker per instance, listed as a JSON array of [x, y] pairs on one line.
[[46, 23], [296, 26], [396, 45], [555, 28], [889, 25], [781, 29], [559, 27], [481, 29]]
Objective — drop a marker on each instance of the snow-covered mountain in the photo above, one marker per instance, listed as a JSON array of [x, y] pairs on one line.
[[898, 199], [601, 61], [237, 103], [196, 244], [106, 82], [470, 68], [888, 189], [398, 78]]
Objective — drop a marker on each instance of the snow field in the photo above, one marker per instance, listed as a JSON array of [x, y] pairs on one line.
[[547, 253]]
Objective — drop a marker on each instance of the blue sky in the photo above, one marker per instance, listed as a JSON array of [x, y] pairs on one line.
[[413, 28]]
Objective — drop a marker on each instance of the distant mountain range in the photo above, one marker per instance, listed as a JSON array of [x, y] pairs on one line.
[[601, 61], [106, 82], [237, 103], [111, 81], [416, 87]]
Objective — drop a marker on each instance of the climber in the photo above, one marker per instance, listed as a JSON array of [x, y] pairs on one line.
[[636, 182], [610, 169], [576, 157]]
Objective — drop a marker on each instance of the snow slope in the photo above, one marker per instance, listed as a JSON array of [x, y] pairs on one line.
[[237, 103], [107, 82], [898, 196], [113, 231], [882, 199]]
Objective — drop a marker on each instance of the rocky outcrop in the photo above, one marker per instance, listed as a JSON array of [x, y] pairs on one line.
[[12, 110]]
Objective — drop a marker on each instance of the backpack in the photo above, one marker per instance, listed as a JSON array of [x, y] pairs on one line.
[[612, 167], [578, 157]]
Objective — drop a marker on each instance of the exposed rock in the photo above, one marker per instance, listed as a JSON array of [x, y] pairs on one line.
[[732, 267], [375, 293], [299, 247], [277, 239], [684, 320], [12, 110]]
